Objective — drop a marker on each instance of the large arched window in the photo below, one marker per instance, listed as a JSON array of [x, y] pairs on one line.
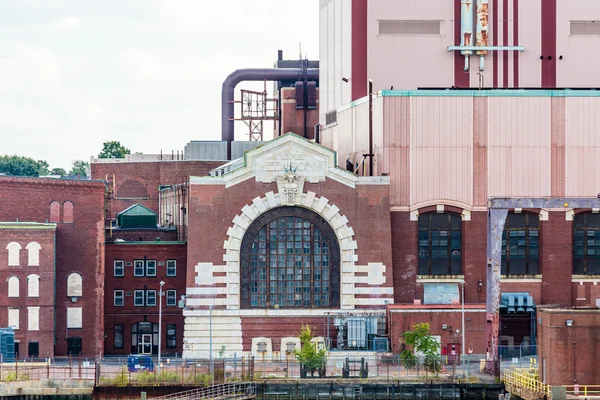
[[13, 286], [521, 244], [74, 285], [440, 244], [586, 244], [33, 285], [290, 259], [14, 249], [33, 254]]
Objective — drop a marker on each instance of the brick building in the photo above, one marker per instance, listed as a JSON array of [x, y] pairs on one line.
[[72, 212], [27, 254], [134, 271]]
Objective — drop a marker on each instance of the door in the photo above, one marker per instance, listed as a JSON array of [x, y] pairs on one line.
[[74, 346], [145, 344], [16, 349], [33, 349]]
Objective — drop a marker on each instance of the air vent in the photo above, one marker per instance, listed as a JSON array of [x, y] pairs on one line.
[[129, 264], [585, 27], [409, 27], [331, 117], [128, 294]]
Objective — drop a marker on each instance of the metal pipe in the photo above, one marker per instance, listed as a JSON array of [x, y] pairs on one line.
[[210, 307], [482, 30], [466, 29], [513, 48], [370, 128], [252, 74], [462, 346]]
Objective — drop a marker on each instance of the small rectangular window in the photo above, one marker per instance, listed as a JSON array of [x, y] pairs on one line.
[[138, 298], [138, 268], [150, 298], [171, 297], [74, 317], [119, 267], [171, 268], [171, 336], [33, 318], [151, 268], [119, 298], [119, 335]]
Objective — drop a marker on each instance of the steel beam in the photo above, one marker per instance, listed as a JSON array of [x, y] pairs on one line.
[[497, 213]]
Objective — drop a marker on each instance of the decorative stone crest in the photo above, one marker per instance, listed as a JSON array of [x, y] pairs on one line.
[[290, 186]]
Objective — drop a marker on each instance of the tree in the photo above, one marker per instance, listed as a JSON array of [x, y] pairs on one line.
[[58, 171], [308, 355], [421, 341], [22, 166], [79, 168], [113, 149]]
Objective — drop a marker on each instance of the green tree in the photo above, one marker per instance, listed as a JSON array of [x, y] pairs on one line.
[[22, 166], [421, 341], [58, 171], [308, 355], [113, 149], [79, 168]]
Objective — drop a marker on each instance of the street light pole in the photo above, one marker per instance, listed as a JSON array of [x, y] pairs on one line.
[[210, 307], [160, 321], [462, 345]]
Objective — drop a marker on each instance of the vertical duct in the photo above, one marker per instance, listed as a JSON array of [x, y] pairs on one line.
[[482, 29], [466, 29]]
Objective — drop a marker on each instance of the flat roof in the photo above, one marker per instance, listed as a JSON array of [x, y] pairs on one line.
[[26, 225], [145, 243]]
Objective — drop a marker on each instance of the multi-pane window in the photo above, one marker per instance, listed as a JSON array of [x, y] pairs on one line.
[[521, 244], [586, 244], [138, 268], [119, 298], [171, 336], [119, 268], [150, 297], [171, 268], [151, 268], [171, 297], [290, 265], [138, 298], [119, 336], [440, 244]]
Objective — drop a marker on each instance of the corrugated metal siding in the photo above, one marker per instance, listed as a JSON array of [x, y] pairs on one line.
[[441, 141], [206, 150], [409, 27], [238, 148], [519, 146], [583, 147], [396, 137]]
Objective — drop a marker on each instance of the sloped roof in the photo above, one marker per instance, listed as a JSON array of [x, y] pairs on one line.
[[137, 210]]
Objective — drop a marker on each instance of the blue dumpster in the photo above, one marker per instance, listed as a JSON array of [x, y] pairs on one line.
[[7, 344]]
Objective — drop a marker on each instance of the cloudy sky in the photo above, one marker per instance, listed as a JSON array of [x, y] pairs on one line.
[[147, 73]]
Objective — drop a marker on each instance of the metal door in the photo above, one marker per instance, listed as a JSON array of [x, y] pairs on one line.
[[145, 344]]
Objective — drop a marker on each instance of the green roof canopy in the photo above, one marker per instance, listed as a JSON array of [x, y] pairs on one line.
[[137, 216]]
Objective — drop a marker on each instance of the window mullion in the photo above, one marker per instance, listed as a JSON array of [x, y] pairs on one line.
[[267, 267]]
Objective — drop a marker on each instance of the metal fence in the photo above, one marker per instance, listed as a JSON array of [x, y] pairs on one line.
[[55, 368]]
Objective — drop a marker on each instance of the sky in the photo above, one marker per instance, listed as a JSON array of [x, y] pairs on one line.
[[147, 73]]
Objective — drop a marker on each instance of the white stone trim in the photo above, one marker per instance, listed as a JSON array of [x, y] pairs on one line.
[[414, 215], [466, 215], [518, 210], [569, 215], [544, 215], [439, 208]]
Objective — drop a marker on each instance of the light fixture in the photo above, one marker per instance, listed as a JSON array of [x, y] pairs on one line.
[[569, 322], [345, 79]]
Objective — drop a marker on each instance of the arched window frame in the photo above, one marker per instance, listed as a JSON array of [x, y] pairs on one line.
[[13, 286], [33, 285], [74, 285], [68, 210], [54, 212], [586, 243], [521, 244], [14, 250], [440, 238], [33, 254], [315, 220]]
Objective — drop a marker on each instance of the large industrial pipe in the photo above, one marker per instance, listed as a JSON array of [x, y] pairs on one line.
[[482, 30], [253, 74], [466, 29]]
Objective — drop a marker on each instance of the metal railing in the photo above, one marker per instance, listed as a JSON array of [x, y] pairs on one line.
[[583, 390], [526, 379], [239, 390]]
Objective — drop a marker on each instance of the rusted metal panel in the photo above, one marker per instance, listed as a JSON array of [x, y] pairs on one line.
[[482, 25], [466, 25]]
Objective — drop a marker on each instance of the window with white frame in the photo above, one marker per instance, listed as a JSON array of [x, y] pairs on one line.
[[138, 298], [33, 254], [13, 254], [13, 318], [119, 268], [74, 285], [74, 317], [33, 318], [171, 297], [13, 286], [171, 268], [119, 298], [150, 297], [151, 268], [138, 268], [33, 285]]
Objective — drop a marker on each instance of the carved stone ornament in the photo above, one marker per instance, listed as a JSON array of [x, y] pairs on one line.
[[290, 185]]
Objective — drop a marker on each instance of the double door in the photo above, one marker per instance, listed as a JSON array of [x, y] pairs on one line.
[[145, 344]]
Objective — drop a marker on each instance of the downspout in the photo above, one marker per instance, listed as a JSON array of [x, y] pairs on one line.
[[253, 74], [466, 29], [482, 30]]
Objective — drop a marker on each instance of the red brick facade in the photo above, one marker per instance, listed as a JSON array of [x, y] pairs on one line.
[[79, 247], [39, 332], [129, 314]]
